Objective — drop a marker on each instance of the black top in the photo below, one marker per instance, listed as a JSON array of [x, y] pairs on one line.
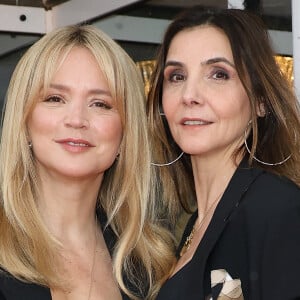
[[254, 235], [14, 289]]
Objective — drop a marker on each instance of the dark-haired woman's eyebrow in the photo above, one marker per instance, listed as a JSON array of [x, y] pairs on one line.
[[173, 63], [216, 60]]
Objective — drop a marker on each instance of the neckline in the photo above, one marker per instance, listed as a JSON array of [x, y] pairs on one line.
[[234, 194]]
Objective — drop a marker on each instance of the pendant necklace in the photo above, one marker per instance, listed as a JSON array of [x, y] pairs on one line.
[[187, 244]]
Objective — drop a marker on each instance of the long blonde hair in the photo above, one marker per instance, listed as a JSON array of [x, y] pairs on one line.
[[127, 194]]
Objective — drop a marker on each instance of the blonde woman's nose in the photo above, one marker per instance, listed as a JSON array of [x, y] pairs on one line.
[[76, 116]]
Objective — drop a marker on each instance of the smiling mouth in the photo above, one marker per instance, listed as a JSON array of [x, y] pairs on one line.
[[77, 144], [196, 122]]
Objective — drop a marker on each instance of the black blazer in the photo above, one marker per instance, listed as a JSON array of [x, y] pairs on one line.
[[14, 289], [254, 235]]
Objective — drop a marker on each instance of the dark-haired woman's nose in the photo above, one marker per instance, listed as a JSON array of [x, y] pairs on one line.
[[191, 93]]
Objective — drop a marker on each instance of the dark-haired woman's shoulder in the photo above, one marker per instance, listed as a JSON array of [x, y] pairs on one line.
[[275, 194]]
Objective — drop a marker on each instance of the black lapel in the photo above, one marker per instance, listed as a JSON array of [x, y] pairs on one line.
[[239, 184]]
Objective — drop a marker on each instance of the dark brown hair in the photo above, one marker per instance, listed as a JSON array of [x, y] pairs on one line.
[[273, 137]]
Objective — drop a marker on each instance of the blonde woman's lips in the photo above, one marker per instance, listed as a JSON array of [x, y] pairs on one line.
[[74, 145]]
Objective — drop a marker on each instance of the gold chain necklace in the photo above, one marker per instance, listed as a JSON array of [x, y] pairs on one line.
[[187, 244]]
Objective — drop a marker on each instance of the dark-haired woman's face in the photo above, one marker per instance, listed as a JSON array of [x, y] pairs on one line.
[[204, 101]]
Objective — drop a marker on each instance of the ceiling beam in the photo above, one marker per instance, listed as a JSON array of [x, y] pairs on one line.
[[75, 12], [133, 29], [150, 30], [12, 42], [24, 19], [36, 21], [140, 30]]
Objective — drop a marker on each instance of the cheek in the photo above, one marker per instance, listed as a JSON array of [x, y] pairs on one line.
[[240, 114], [245, 107], [168, 104], [111, 130], [39, 123], [237, 105], [113, 136], [118, 134]]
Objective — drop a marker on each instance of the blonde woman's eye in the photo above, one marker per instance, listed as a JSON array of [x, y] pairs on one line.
[[101, 104], [53, 99]]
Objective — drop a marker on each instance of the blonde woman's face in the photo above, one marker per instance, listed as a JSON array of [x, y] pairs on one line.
[[76, 129], [204, 101]]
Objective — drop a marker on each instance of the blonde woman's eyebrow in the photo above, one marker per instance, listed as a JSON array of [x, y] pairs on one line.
[[65, 88]]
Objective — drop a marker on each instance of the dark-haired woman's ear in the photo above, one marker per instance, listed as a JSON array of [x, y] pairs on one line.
[[261, 110]]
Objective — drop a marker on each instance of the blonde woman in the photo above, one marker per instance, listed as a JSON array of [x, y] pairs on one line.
[[77, 193]]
